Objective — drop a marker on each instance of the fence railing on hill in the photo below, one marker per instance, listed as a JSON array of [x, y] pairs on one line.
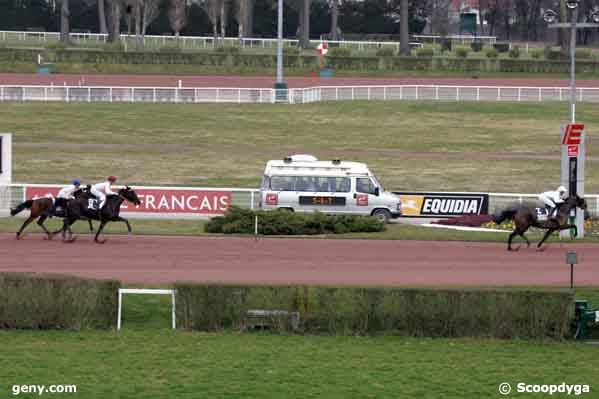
[[194, 42], [194, 202], [292, 96]]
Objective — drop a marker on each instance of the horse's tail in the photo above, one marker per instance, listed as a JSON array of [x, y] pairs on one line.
[[507, 214], [25, 205]]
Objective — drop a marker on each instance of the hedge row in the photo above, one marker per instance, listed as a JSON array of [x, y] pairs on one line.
[[227, 59], [31, 301], [283, 222], [347, 310]]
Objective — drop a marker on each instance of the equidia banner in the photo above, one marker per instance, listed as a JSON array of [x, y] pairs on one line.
[[443, 204]]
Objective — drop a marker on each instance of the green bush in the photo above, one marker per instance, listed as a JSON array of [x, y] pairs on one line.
[[170, 48], [385, 52], [583, 54], [502, 47], [514, 52], [553, 53], [537, 53], [491, 52], [340, 52], [291, 51], [32, 301], [115, 46], [425, 52], [56, 46], [284, 222], [476, 46], [505, 314], [462, 51]]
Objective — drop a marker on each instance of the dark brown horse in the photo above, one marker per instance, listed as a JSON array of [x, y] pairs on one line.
[[41, 209], [525, 216]]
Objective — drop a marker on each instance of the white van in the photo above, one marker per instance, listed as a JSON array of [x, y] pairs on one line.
[[302, 183]]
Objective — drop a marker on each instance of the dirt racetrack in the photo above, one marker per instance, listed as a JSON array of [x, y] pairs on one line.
[[155, 260]]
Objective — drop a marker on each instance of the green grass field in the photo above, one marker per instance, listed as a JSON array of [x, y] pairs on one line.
[[148, 360], [497, 147]]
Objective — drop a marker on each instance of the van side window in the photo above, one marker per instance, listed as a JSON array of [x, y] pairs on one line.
[[265, 183], [365, 185], [282, 183], [339, 184]]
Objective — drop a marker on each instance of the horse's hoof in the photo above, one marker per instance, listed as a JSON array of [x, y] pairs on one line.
[[540, 249], [100, 241], [18, 236]]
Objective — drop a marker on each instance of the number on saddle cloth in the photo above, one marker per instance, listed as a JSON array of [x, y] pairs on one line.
[[542, 213], [92, 204]]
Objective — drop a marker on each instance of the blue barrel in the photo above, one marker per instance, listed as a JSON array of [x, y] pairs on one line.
[[326, 73]]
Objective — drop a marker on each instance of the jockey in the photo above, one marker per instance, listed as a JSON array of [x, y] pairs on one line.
[[101, 190], [552, 199], [65, 194]]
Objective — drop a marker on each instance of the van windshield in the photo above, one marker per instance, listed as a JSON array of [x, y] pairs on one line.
[[376, 181]]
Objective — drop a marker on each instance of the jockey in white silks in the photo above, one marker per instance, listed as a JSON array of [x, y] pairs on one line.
[[101, 190], [552, 199]]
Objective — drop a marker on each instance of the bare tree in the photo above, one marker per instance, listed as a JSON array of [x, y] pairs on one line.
[[64, 21], [439, 12], [305, 34], [334, 4], [224, 7], [114, 20], [528, 14], [150, 11], [404, 39], [212, 8], [102, 16], [177, 15]]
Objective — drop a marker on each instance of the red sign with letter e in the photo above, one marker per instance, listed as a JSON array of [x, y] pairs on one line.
[[573, 134]]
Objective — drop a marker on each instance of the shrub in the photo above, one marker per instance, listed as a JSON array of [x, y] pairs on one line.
[[583, 54], [536, 53], [502, 47], [553, 53], [284, 222], [35, 301], [385, 52], [233, 50], [446, 44], [354, 310], [340, 52], [425, 52], [514, 52], [476, 46], [291, 51], [491, 52], [170, 48], [59, 45], [462, 52], [116, 46]]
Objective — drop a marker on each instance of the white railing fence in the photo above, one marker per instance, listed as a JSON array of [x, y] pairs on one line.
[[194, 42], [292, 96], [14, 194]]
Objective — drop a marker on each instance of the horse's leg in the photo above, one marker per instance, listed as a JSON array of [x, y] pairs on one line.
[[547, 234], [40, 223], [25, 223], [570, 226], [509, 240], [102, 224], [91, 226], [526, 239], [122, 219], [67, 228]]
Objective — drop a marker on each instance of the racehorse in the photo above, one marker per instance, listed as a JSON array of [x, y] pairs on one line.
[[41, 208], [80, 209], [525, 216]]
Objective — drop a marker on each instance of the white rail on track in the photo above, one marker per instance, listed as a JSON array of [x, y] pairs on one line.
[[146, 291], [292, 96]]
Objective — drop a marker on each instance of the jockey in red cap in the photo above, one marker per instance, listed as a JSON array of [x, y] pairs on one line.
[[101, 190]]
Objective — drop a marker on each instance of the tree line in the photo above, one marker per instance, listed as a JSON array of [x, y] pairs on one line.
[[506, 19]]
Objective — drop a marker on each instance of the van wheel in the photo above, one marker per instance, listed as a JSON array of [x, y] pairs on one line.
[[382, 214]]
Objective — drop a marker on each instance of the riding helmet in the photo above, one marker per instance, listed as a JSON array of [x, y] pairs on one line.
[[111, 179], [76, 182]]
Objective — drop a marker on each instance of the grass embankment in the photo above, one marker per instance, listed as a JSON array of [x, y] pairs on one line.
[[409, 145], [146, 359], [196, 227]]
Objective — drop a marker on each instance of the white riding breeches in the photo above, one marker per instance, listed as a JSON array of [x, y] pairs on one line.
[[100, 196]]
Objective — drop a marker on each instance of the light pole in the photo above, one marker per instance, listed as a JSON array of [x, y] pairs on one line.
[[280, 85], [572, 159]]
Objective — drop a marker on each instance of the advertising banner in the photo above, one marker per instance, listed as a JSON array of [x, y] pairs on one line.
[[442, 204], [161, 200]]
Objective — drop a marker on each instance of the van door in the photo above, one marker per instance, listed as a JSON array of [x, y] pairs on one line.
[[365, 198]]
